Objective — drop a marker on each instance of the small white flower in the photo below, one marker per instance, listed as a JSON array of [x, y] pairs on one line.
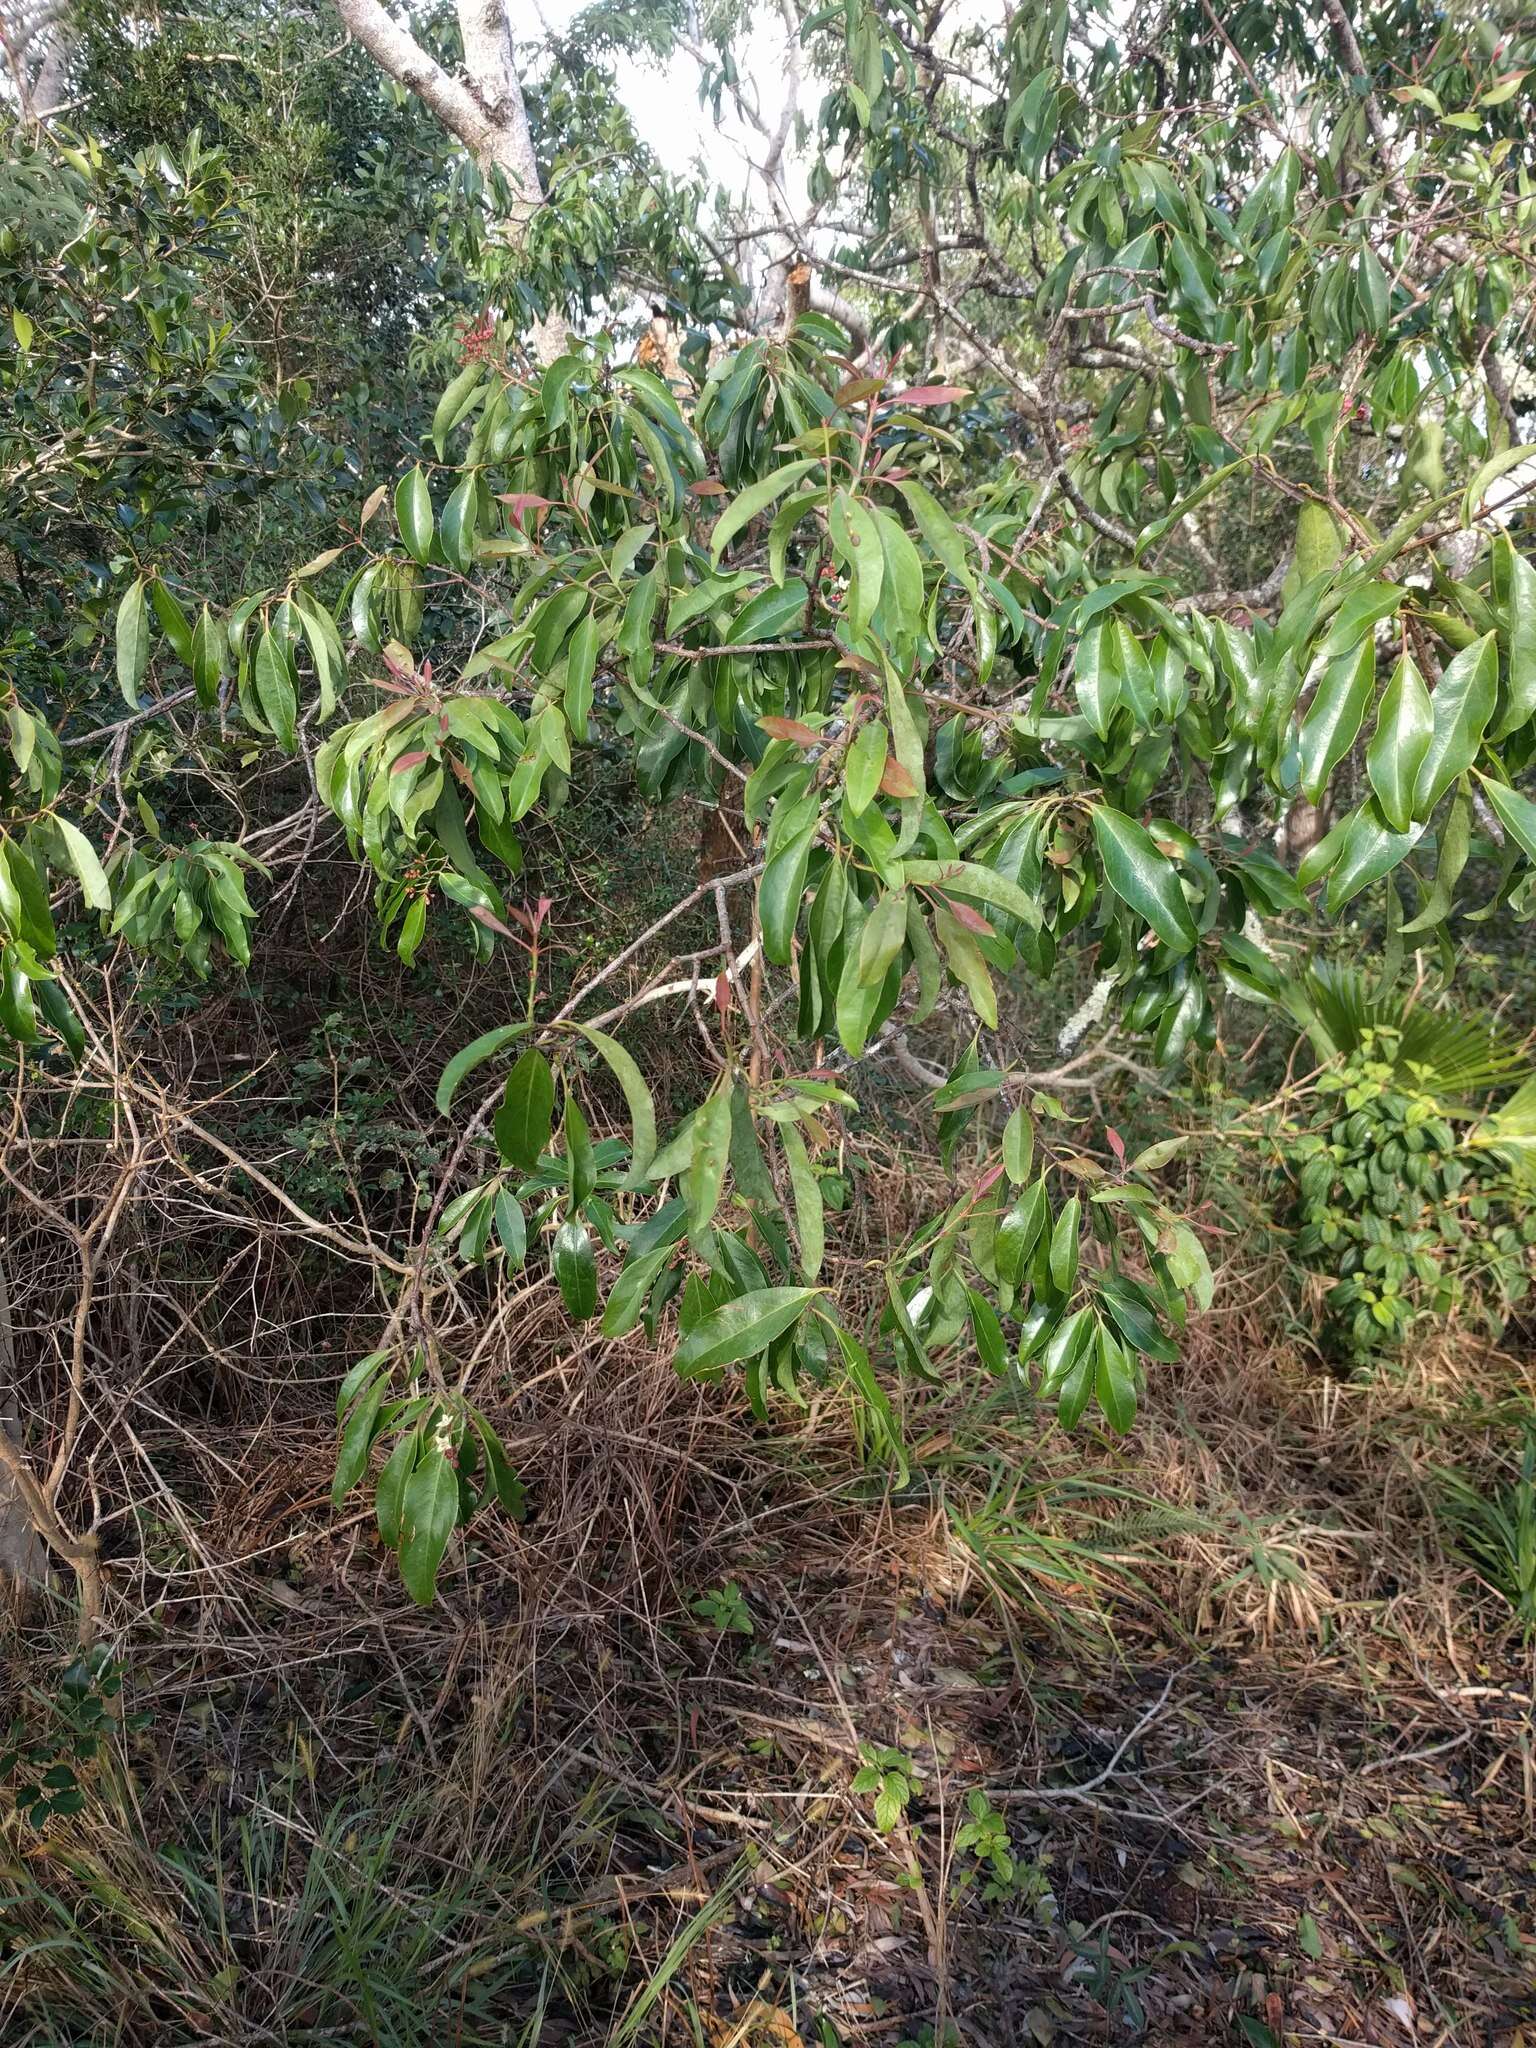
[[1087, 1013], [1253, 932]]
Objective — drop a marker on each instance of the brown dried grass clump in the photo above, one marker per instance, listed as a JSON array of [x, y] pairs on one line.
[[1260, 1739]]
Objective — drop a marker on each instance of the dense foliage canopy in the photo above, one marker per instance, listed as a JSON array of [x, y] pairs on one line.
[[1091, 527]]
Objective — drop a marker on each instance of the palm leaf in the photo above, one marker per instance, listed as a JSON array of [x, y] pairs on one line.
[[1448, 1054], [1511, 1132]]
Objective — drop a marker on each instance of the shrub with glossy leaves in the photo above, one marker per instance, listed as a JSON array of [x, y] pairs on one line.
[[1407, 1224]]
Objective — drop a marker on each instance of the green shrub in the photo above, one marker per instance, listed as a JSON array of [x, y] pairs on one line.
[[1405, 1220]]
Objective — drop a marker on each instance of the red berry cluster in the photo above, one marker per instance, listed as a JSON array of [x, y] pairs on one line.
[[475, 338]]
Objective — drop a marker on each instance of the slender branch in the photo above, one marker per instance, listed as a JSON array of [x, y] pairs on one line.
[[679, 909], [742, 647], [80, 1553]]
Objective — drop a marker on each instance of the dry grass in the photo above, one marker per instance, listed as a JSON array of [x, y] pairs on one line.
[[1261, 1741], [1334, 1746]]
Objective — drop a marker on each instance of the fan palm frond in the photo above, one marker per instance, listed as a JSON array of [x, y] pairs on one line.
[[1510, 1132], [1452, 1055]]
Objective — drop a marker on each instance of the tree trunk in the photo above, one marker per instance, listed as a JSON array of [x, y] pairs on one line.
[[484, 109], [23, 1557], [35, 40], [488, 58]]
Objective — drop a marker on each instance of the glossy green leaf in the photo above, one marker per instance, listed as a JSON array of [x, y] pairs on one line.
[[356, 1378], [1136, 1322], [709, 1156], [781, 891], [325, 650], [60, 1016], [1480, 489], [976, 883], [575, 1268], [756, 498], [208, 658], [1516, 813], [1096, 676], [883, 937], [580, 666], [1189, 1268], [1374, 290], [628, 1296], [902, 602], [939, 531], [968, 964], [741, 1329], [357, 1439], [461, 519], [413, 515], [457, 401], [857, 541], [1114, 1382], [906, 739], [1018, 1145], [581, 1159], [1144, 878], [1520, 642], [637, 1099], [1318, 545], [504, 1482], [1019, 1230], [389, 1494], [810, 1217], [1462, 702], [273, 678], [88, 869], [132, 642], [429, 1514], [1068, 1366], [511, 1228], [525, 1120], [1369, 849], [473, 1055], [991, 1347], [864, 766], [1065, 1244], [1335, 715], [1455, 844], [1404, 725], [173, 620]]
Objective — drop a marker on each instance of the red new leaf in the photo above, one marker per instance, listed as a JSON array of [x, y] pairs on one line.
[[489, 917], [790, 729], [931, 394], [973, 920], [520, 503]]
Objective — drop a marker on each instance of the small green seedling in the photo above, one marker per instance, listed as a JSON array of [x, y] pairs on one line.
[[892, 1776], [725, 1610]]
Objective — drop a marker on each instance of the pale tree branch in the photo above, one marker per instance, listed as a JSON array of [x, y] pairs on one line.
[[22, 32], [47, 92], [494, 84], [485, 110], [397, 52]]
